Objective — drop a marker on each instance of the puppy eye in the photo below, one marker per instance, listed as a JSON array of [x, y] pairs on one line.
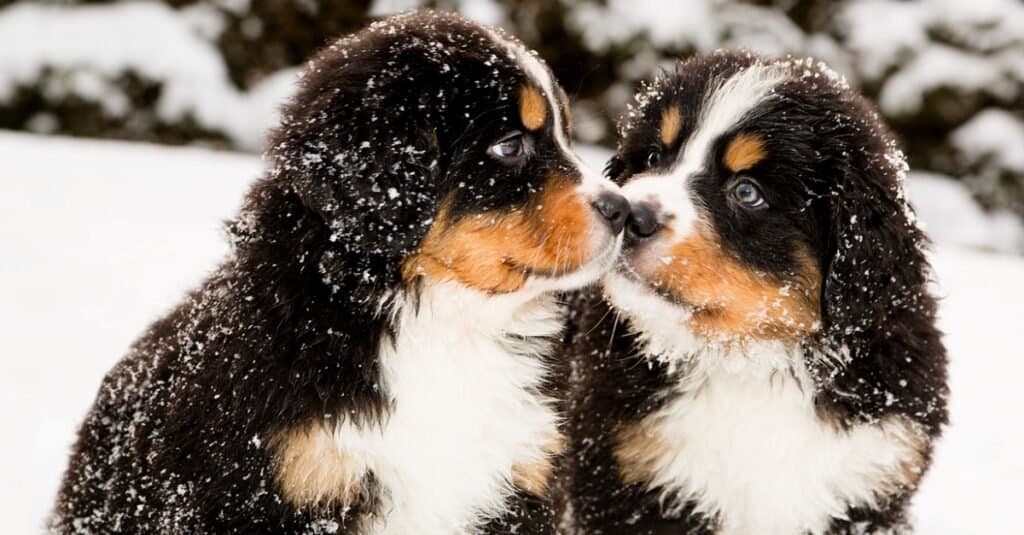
[[510, 148], [748, 194], [653, 158]]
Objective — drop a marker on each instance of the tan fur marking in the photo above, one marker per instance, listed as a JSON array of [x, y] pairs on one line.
[[671, 122], [532, 108], [907, 474], [496, 251], [535, 477], [311, 470], [732, 300], [638, 451], [743, 152]]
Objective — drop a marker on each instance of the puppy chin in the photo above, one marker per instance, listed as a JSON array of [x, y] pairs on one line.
[[659, 324], [604, 259]]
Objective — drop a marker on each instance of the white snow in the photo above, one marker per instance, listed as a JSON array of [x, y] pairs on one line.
[[483, 11], [942, 66], [993, 133], [985, 24], [881, 31], [974, 486], [947, 212], [663, 22], [99, 238], [887, 34], [95, 44], [388, 7]]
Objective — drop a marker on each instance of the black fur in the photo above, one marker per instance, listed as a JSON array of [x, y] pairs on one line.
[[834, 191], [612, 384], [385, 124]]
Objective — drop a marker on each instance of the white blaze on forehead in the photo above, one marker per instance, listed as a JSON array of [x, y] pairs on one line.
[[671, 197], [724, 107]]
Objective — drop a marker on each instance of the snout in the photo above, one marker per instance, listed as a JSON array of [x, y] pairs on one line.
[[642, 223], [614, 210]]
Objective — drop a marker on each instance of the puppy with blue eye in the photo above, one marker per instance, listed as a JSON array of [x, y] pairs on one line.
[[764, 360], [376, 354]]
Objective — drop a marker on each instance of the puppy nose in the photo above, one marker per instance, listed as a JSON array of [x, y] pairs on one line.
[[614, 208], [643, 222]]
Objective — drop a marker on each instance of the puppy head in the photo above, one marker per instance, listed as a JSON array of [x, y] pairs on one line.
[[765, 195], [436, 149]]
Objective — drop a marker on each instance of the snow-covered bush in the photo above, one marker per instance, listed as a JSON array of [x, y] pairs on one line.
[[948, 75], [136, 70]]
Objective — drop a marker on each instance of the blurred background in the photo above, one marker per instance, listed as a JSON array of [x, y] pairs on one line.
[[129, 130], [948, 75]]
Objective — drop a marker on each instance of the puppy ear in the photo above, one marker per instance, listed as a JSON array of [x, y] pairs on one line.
[[875, 266], [881, 350], [360, 148]]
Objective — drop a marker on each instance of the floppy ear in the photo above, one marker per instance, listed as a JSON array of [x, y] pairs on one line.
[[350, 192], [875, 264], [883, 351], [360, 148]]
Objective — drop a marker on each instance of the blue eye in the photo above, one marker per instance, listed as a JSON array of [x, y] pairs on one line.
[[748, 194], [510, 147]]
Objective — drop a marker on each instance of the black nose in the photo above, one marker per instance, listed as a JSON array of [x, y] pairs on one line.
[[614, 208], [643, 222]]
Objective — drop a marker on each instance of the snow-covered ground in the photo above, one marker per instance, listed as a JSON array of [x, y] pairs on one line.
[[99, 238]]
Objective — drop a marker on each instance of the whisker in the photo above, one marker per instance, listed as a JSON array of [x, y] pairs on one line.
[[599, 321]]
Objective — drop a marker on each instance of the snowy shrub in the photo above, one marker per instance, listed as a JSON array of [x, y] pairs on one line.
[[948, 75], [136, 70]]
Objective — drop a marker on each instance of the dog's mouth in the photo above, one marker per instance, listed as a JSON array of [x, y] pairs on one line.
[[570, 277]]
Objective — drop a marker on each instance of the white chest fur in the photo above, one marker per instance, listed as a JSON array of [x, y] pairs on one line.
[[745, 444], [465, 410]]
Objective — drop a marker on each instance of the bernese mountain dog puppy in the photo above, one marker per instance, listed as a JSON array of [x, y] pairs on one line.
[[766, 360], [375, 354]]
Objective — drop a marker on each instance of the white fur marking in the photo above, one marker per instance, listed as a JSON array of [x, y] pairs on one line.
[[456, 384], [663, 322], [752, 449], [725, 106]]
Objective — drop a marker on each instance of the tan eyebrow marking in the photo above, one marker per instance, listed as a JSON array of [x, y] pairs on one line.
[[671, 122], [744, 151], [532, 109]]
